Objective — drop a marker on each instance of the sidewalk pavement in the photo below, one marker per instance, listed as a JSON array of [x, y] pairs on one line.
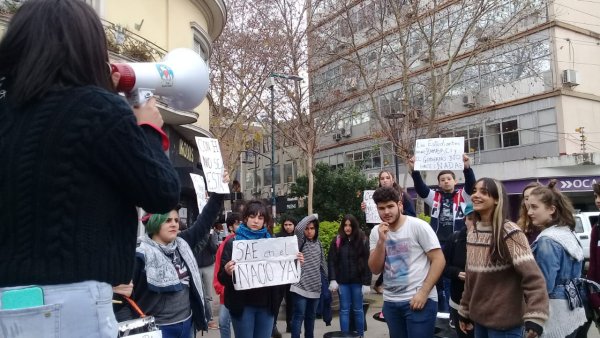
[[374, 328]]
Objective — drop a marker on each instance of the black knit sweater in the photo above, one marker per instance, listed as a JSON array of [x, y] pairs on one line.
[[74, 167]]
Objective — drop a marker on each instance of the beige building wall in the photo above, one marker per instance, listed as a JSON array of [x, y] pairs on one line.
[[576, 48], [579, 112], [583, 14]]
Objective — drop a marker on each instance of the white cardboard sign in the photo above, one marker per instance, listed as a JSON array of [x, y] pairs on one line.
[[440, 153], [265, 262], [371, 213], [200, 189], [212, 164]]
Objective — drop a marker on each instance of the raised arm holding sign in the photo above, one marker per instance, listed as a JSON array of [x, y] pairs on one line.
[[212, 164]]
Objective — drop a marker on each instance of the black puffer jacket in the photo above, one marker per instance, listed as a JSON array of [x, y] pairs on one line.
[[348, 265], [455, 252]]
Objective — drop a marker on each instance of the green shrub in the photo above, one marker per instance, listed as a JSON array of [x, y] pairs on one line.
[[424, 217], [327, 231]]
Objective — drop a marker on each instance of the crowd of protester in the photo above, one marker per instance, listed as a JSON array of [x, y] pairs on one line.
[[71, 248]]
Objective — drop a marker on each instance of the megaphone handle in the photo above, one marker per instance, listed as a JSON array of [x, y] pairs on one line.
[[163, 136], [139, 96]]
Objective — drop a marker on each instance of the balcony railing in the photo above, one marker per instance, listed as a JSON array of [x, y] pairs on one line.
[[124, 42]]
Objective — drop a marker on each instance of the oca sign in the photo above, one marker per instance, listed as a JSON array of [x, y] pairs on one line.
[[580, 183]]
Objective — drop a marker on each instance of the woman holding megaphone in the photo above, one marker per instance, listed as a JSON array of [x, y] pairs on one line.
[[77, 160]]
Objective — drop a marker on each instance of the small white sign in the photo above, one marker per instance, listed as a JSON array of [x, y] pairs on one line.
[[212, 164], [371, 213], [265, 262], [440, 153], [200, 189]]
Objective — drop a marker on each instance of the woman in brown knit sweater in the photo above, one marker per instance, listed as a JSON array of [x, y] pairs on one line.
[[505, 291]]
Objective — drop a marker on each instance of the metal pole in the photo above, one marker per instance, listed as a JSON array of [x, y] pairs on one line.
[[273, 206], [395, 159]]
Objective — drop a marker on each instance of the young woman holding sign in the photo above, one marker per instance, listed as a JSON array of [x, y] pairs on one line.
[[253, 310], [166, 280]]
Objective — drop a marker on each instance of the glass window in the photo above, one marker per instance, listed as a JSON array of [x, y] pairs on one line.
[[510, 133], [288, 172], [492, 136], [250, 178], [475, 139], [267, 175]]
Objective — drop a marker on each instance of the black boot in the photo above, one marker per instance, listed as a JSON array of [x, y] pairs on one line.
[[275, 333]]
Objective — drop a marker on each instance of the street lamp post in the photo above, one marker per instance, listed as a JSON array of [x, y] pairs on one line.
[[395, 116], [271, 85]]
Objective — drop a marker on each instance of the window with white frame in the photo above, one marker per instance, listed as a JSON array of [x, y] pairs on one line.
[[364, 159], [267, 175], [502, 134], [289, 172], [202, 41]]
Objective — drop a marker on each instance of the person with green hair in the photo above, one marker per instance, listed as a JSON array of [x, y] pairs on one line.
[[166, 281]]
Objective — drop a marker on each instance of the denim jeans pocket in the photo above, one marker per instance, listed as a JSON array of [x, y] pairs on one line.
[[40, 321], [107, 323]]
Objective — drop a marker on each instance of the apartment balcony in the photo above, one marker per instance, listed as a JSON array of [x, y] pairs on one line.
[[127, 45]]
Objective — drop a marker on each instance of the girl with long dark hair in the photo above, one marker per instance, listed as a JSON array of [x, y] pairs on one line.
[[349, 272], [504, 287]]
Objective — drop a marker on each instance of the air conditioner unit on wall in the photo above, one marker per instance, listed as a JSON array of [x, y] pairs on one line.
[[569, 77], [469, 100], [346, 132]]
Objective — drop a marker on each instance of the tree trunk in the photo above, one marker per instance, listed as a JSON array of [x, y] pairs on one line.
[[311, 182]]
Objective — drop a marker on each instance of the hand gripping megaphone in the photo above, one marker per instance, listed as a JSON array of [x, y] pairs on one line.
[[180, 79]]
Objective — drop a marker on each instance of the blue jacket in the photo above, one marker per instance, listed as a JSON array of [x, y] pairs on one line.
[[560, 257]]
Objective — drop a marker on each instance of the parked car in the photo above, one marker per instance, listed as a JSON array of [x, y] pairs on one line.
[[583, 227]]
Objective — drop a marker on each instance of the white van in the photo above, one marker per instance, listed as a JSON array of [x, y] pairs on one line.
[[583, 228]]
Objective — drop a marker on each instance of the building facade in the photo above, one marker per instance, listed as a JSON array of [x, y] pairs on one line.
[[517, 82]]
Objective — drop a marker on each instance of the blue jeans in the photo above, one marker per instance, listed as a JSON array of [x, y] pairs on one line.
[[178, 330], [403, 322], [305, 310], [224, 322], [351, 298], [484, 332], [254, 322], [81, 309]]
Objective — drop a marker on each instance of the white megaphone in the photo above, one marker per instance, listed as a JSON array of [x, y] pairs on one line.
[[181, 79]]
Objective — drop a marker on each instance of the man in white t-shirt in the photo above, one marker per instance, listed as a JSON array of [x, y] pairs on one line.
[[406, 250]]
